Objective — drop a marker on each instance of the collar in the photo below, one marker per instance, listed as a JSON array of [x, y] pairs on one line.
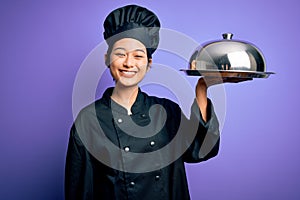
[[137, 107]]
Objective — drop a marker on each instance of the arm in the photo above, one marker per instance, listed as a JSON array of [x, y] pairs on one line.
[[201, 97], [202, 86], [77, 173], [205, 144], [207, 140]]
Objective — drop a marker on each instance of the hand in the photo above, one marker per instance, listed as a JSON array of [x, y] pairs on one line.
[[205, 82], [235, 79]]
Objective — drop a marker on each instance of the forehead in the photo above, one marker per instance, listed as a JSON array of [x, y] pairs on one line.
[[129, 44]]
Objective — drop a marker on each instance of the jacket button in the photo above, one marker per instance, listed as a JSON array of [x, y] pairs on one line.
[[152, 143], [120, 120], [126, 149], [157, 177], [132, 183], [143, 115]]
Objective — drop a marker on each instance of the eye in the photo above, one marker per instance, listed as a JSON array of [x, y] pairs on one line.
[[139, 56], [120, 54]]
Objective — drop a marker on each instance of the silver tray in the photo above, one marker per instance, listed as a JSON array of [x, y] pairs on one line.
[[227, 73]]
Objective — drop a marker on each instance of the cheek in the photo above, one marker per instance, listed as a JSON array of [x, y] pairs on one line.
[[143, 71], [113, 72], [114, 64]]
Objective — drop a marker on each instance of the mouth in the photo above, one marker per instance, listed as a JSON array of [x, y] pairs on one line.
[[127, 73]]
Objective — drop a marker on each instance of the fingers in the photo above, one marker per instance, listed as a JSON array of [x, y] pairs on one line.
[[210, 81], [236, 80]]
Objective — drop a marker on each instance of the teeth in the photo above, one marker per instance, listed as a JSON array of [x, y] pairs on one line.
[[128, 72]]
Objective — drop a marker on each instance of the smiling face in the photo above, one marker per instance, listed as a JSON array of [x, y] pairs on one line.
[[128, 62]]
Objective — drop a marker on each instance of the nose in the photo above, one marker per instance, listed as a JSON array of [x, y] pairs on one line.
[[129, 61]]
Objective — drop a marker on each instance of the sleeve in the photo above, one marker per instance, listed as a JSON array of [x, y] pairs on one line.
[[207, 140], [78, 170]]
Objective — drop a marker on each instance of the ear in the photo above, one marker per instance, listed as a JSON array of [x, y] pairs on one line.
[[107, 62], [149, 64]]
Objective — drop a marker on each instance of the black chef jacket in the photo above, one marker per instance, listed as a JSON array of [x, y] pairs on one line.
[[100, 166]]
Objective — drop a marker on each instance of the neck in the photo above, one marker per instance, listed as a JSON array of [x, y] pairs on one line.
[[125, 96]]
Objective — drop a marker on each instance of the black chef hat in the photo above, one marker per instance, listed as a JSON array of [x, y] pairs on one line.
[[135, 22]]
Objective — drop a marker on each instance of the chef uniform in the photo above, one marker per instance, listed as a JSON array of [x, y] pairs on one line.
[[113, 155]]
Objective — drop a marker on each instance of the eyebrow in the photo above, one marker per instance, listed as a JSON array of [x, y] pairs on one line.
[[121, 48]]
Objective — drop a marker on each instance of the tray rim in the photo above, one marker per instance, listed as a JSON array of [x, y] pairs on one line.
[[191, 72]]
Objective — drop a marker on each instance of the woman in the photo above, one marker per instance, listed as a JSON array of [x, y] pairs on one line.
[[128, 145]]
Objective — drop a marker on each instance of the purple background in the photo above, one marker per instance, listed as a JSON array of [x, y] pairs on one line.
[[43, 44]]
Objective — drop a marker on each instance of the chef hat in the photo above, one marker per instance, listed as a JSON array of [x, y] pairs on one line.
[[135, 22]]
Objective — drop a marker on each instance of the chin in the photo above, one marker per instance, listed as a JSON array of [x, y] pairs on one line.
[[125, 83]]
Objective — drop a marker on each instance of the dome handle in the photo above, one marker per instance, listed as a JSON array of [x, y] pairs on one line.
[[227, 36]]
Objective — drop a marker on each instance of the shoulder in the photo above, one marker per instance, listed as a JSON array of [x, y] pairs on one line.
[[168, 104], [102, 104], [88, 110]]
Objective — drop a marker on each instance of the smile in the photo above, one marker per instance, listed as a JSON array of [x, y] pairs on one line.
[[127, 73]]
